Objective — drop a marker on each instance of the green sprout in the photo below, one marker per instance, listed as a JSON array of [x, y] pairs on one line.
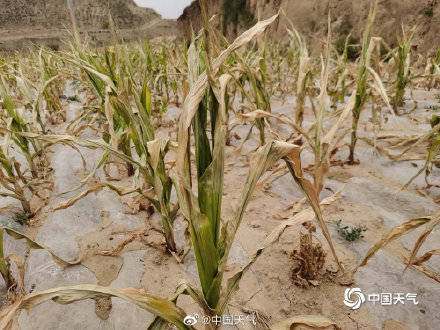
[[351, 234]]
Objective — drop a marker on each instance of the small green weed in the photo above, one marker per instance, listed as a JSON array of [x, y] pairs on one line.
[[350, 233], [428, 11]]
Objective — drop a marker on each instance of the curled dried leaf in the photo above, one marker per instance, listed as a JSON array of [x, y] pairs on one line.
[[34, 245], [426, 257], [391, 235], [94, 188], [422, 238]]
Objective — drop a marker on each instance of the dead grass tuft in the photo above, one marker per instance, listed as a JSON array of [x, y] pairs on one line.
[[309, 259]]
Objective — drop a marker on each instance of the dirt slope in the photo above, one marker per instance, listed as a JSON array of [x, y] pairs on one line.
[[45, 22], [310, 17]]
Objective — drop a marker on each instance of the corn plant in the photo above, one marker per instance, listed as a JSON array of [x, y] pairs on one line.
[[342, 72], [106, 76], [212, 243], [150, 168], [17, 121], [432, 158], [51, 92], [13, 180], [278, 75], [403, 68], [323, 146], [258, 94], [36, 83], [361, 89], [204, 210], [303, 73], [433, 70], [151, 152]]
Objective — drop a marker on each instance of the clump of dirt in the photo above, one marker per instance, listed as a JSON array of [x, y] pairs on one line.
[[106, 268], [309, 260], [103, 307]]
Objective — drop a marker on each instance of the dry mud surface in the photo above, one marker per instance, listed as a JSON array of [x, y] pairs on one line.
[[102, 220]]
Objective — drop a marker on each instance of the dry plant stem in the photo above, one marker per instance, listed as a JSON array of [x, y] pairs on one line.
[[304, 73], [354, 139], [73, 20], [4, 266], [23, 201], [321, 161], [16, 190], [301, 95]]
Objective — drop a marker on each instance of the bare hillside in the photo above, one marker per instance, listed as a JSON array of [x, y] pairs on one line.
[[310, 17], [47, 22]]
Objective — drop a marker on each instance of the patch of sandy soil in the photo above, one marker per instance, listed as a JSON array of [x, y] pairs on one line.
[[122, 246]]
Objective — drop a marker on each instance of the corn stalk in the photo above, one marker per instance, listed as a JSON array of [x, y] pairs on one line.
[[303, 73], [4, 266], [403, 68], [203, 211], [51, 92], [361, 89], [433, 70], [210, 246]]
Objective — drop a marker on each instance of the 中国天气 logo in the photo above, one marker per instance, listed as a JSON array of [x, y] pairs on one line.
[[353, 298]]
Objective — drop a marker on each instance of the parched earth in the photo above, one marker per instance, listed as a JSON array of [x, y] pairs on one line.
[[101, 221]]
